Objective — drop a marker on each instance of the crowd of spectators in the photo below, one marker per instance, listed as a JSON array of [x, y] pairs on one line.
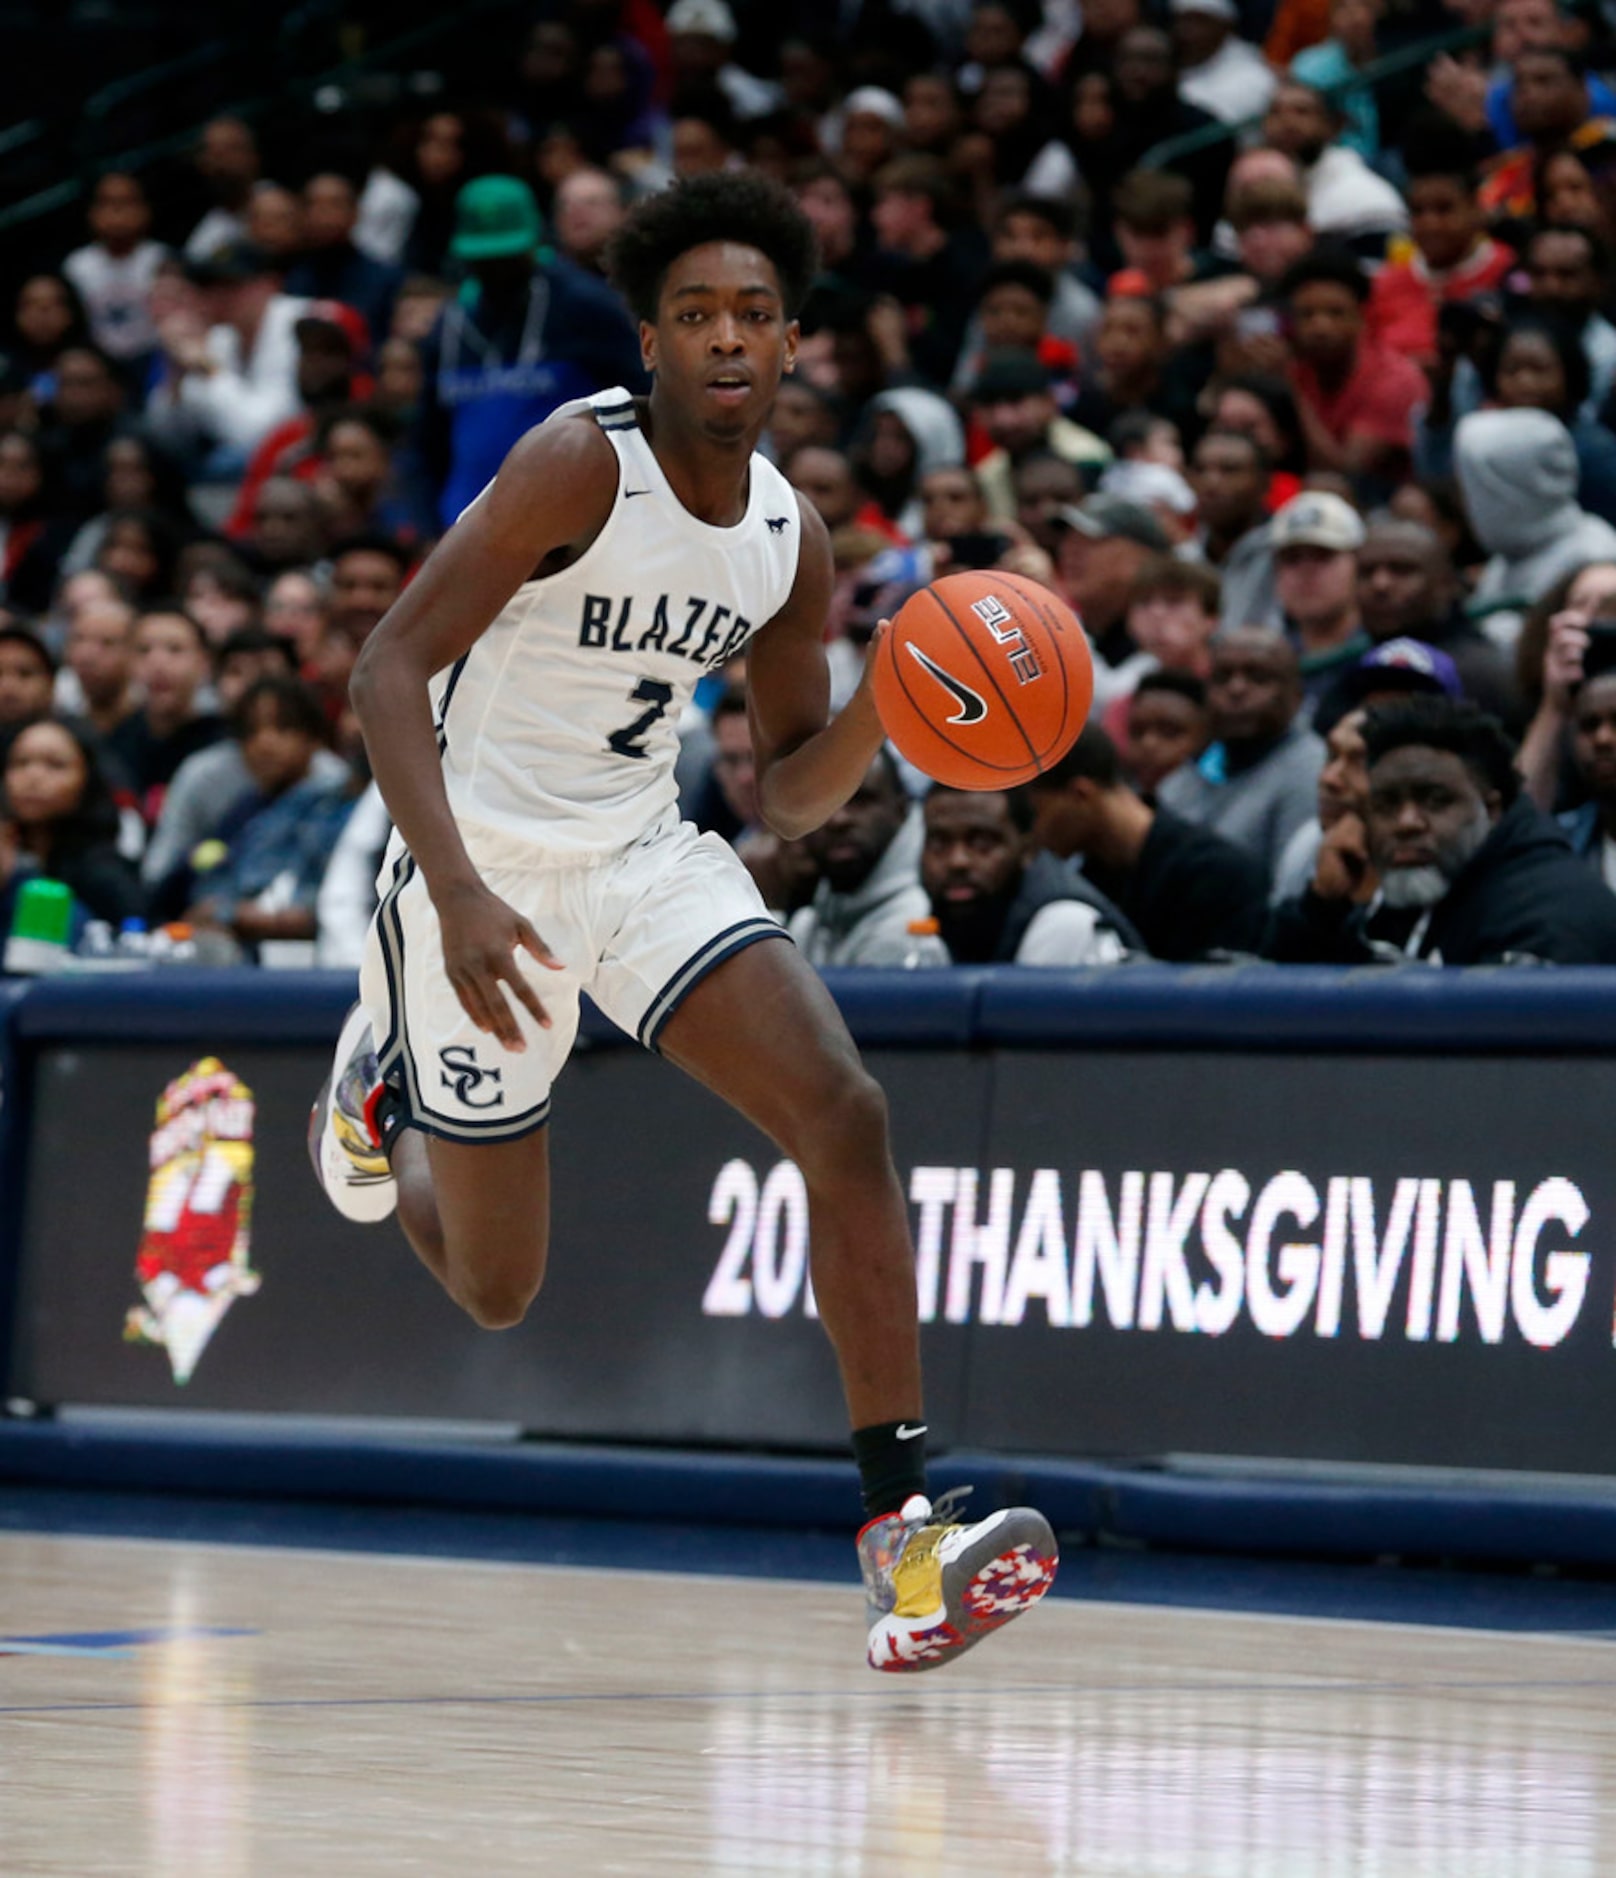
[[1293, 375]]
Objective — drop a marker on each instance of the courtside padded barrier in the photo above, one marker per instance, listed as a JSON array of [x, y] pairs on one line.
[[1088, 1502], [1248, 1007]]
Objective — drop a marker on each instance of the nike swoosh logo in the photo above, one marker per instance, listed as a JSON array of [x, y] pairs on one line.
[[972, 708], [627, 493], [905, 1433]]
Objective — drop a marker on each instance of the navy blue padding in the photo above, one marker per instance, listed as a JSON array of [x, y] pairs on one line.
[[1278, 1514], [245, 1005], [934, 1010], [1299, 1008]]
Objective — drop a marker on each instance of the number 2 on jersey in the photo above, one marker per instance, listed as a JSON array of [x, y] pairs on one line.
[[650, 691]]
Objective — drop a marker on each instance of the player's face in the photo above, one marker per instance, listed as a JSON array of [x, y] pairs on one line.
[[721, 338]]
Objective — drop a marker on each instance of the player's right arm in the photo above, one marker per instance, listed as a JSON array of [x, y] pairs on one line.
[[555, 488]]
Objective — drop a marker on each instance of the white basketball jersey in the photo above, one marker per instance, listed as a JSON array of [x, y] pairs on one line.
[[560, 724]]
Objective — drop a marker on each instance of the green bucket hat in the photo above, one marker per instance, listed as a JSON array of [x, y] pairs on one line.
[[495, 216]]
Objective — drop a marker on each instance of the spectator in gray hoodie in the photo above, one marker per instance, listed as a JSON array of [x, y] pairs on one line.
[[1518, 472], [869, 899]]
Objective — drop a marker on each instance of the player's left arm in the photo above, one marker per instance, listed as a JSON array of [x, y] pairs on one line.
[[808, 763]]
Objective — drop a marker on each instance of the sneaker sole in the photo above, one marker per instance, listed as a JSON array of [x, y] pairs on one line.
[[366, 1199], [992, 1578]]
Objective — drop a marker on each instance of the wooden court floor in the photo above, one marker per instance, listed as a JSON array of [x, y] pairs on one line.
[[195, 1711]]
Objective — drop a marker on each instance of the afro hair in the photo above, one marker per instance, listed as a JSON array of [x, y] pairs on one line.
[[737, 206]]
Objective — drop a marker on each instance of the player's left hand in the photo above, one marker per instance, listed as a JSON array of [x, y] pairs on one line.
[[481, 938]]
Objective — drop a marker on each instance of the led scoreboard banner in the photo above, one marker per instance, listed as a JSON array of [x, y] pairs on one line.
[[1359, 1242]]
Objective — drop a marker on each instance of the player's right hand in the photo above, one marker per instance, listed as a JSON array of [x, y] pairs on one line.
[[481, 939]]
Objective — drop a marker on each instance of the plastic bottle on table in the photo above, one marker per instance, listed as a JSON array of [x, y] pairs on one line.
[[41, 928]]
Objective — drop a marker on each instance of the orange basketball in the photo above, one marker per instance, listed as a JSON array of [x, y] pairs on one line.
[[983, 680]]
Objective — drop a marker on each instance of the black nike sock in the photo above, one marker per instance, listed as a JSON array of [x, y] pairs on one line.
[[891, 1460]]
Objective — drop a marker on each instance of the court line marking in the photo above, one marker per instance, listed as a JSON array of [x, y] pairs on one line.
[[1107, 1606]]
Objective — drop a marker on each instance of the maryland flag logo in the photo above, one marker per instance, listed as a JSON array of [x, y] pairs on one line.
[[193, 1263]]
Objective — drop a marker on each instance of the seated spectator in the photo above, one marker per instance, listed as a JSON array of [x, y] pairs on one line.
[[287, 527], [263, 887], [1398, 669], [232, 373], [1013, 404], [1167, 728], [999, 901], [330, 266], [1407, 589], [227, 167], [219, 591], [1518, 471], [1356, 400], [59, 820], [1042, 485], [140, 549], [332, 340], [1133, 368], [27, 680], [274, 223], [1334, 65], [47, 317], [172, 667], [1103, 544], [1153, 215], [115, 270], [904, 435], [1568, 273], [803, 414], [97, 680], [34, 533], [1263, 408], [930, 267], [210, 787], [1230, 476], [1254, 783], [361, 490], [1346, 200], [1552, 110], [1452, 257], [399, 381], [1012, 314], [1315, 540], [1548, 668], [1591, 829], [826, 478], [869, 907], [958, 531], [85, 413], [136, 473], [497, 362], [587, 212], [295, 611], [1470, 872], [1541, 366], [1043, 232], [1332, 850], [1218, 71], [1186, 890]]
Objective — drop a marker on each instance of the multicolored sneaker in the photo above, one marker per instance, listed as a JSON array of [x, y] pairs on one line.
[[345, 1141], [935, 1587]]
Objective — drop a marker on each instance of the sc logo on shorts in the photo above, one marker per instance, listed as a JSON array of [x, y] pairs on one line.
[[465, 1076]]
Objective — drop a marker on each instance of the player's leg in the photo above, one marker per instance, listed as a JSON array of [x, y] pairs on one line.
[[762, 1032], [478, 1218]]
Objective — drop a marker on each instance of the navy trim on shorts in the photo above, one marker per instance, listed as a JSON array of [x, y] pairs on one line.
[[396, 1051], [720, 947]]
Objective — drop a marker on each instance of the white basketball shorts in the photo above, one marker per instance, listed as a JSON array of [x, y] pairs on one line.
[[637, 929]]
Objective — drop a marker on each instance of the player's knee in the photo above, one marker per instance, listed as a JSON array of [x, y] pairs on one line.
[[848, 1125], [497, 1304]]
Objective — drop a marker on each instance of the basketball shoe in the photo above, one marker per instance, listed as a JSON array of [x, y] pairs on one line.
[[345, 1137], [935, 1587]]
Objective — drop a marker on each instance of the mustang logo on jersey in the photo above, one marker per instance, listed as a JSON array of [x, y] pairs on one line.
[[465, 1076], [700, 630]]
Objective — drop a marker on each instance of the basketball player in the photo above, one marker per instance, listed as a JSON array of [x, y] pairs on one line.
[[519, 702]]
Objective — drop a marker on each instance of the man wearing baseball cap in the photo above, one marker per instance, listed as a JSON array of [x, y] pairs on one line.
[[1219, 72], [1101, 545], [525, 334], [1315, 540], [1013, 402]]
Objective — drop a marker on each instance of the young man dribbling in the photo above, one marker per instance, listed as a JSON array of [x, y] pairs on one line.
[[520, 702]]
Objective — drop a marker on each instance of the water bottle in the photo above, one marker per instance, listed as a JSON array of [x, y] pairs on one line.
[[919, 953], [134, 943], [99, 943], [41, 927]]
